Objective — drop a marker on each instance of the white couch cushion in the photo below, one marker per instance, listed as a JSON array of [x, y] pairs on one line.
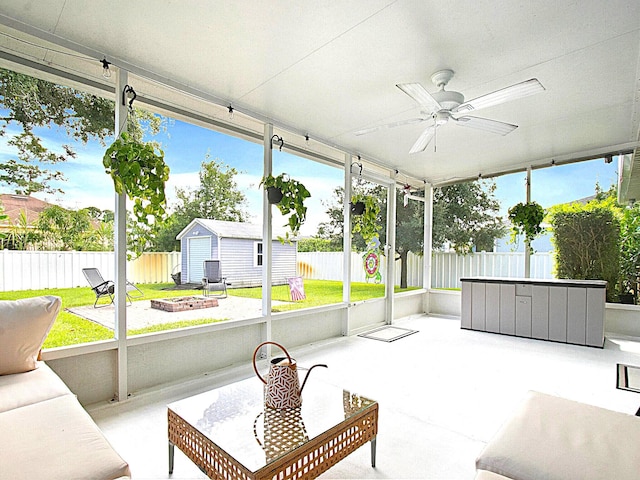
[[551, 438], [485, 475], [24, 325], [56, 440], [22, 389]]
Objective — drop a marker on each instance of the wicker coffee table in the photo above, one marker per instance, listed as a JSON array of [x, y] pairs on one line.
[[228, 433]]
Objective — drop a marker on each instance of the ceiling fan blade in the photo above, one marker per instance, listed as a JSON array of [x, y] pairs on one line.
[[390, 125], [519, 90], [486, 124], [423, 139], [420, 95]]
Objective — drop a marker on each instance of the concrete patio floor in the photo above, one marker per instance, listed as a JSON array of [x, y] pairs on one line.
[[443, 392], [140, 314]]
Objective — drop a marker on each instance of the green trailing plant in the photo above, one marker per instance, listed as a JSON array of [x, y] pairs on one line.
[[526, 219], [292, 204], [366, 224], [138, 169]]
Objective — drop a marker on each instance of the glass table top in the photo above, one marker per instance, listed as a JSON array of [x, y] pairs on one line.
[[235, 419]]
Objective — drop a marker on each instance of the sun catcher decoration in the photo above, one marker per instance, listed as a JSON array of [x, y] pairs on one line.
[[371, 261]]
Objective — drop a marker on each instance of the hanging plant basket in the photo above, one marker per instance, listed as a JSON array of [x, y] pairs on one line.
[[274, 195], [526, 219], [366, 222], [357, 208], [138, 170], [290, 201]]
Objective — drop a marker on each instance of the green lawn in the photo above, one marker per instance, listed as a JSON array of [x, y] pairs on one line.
[[69, 329], [318, 292]]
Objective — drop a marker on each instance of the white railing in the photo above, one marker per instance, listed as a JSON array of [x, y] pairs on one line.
[[25, 270]]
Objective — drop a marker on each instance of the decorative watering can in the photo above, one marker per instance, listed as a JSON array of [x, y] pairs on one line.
[[282, 387]]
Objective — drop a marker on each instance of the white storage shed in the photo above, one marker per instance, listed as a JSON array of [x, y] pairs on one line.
[[238, 245]]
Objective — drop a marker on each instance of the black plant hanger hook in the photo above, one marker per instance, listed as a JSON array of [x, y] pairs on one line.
[[279, 140], [126, 92]]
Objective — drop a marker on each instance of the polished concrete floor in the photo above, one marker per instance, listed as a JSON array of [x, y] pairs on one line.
[[442, 392]]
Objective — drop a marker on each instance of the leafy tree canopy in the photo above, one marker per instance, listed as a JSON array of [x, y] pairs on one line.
[[465, 216], [28, 103], [216, 197], [315, 244]]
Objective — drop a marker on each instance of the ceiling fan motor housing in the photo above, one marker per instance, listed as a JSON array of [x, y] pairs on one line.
[[448, 99]]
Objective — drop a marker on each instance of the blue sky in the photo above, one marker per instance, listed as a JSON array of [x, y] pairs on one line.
[[186, 147]]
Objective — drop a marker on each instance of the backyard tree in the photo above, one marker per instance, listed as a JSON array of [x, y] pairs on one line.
[[216, 197], [62, 229], [87, 229], [464, 216], [28, 104]]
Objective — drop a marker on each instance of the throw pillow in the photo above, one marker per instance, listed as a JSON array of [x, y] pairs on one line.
[[24, 325]]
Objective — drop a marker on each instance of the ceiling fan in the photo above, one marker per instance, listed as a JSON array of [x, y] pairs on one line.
[[446, 106]]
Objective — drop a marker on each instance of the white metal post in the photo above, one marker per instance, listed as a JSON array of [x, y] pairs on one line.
[[346, 244], [120, 247], [390, 250], [428, 237], [527, 245], [267, 247]]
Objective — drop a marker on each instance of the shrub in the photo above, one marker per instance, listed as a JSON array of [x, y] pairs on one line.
[[587, 242]]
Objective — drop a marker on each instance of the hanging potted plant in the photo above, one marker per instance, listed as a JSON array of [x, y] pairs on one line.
[[138, 169], [526, 219], [289, 196], [357, 208], [365, 223]]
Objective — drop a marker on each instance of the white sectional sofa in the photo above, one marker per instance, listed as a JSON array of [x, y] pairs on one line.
[[45, 431], [551, 438]]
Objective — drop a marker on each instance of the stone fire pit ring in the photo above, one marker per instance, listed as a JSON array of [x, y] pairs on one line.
[[181, 304]]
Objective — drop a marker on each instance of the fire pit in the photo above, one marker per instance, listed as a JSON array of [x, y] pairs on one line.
[[180, 304]]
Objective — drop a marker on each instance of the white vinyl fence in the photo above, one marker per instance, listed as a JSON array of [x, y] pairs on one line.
[[329, 265], [26, 270], [446, 268]]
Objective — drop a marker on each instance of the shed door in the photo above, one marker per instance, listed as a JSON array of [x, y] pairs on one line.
[[199, 251]]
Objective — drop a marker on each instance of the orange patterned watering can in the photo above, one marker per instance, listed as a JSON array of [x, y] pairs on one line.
[[282, 386]]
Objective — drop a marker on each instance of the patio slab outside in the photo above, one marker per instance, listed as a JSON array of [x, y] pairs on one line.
[[141, 315]]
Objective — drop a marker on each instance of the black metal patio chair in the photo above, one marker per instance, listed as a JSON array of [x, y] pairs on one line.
[[213, 281], [106, 288]]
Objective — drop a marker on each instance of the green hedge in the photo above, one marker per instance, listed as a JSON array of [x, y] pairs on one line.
[[587, 243]]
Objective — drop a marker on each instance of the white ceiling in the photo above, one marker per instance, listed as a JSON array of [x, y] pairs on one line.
[[329, 69]]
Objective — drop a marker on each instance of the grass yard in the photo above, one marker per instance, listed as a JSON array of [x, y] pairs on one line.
[[318, 292], [69, 329]]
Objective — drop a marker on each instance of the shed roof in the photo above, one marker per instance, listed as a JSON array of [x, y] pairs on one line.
[[225, 229]]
